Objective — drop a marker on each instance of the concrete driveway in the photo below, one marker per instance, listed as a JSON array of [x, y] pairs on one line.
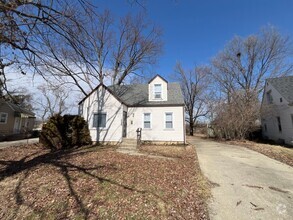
[[5, 144], [246, 184]]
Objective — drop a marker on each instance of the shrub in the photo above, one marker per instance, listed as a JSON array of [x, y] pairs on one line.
[[64, 132]]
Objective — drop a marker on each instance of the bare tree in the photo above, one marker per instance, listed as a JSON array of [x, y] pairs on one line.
[[195, 87], [245, 63], [74, 42], [53, 100], [20, 96], [236, 119], [25, 23], [104, 51], [240, 71]]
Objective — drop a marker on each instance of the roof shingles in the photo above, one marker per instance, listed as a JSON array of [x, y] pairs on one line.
[[137, 95], [284, 85]]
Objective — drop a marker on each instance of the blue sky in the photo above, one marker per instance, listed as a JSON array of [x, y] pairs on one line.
[[195, 30]]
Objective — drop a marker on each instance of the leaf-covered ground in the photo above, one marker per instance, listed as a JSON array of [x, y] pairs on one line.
[[280, 153], [100, 183]]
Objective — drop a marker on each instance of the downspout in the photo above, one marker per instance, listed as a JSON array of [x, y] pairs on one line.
[[184, 130]]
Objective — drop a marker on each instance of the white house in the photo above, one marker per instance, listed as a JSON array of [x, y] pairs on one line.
[[116, 112], [277, 110]]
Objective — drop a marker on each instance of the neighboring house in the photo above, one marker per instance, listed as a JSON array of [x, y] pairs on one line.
[[14, 119], [277, 110], [116, 112]]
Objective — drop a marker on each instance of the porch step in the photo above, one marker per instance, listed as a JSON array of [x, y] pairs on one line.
[[128, 145], [129, 141]]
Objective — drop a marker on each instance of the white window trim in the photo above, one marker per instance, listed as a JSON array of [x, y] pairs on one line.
[[165, 120], [154, 92], [6, 118], [150, 121], [100, 128]]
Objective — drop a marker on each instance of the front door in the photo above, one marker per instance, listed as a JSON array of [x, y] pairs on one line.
[[17, 123], [124, 129]]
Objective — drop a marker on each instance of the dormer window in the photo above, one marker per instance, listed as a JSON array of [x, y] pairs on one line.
[[158, 91]]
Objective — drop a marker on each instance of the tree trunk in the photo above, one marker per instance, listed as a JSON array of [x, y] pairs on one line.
[[191, 125]]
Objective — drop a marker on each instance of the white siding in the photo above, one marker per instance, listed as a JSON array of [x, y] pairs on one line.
[[270, 114], [158, 80], [102, 100], [157, 132]]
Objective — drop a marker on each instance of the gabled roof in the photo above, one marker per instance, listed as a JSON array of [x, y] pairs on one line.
[[157, 76], [95, 89], [17, 108], [136, 95], [284, 85]]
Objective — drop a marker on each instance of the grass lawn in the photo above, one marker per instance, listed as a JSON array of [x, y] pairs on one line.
[[280, 153], [100, 183]]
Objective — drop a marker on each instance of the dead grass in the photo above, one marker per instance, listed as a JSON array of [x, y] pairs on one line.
[[280, 153], [96, 183]]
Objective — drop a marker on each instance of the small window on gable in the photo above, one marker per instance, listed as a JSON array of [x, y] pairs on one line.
[[281, 100], [147, 120], [99, 120], [279, 124], [169, 120], [3, 117], [158, 91], [269, 97]]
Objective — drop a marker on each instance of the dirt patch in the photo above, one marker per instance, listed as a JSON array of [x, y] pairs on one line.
[[93, 182]]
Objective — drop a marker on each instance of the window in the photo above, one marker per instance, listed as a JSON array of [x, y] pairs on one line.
[[99, 120], [3, 117], [279, 124], [169, 120], [269, 97], [147, 120], [281, 100], [158, 91]]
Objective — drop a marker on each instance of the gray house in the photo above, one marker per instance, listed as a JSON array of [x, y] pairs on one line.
[[277, 110], [14, 119]]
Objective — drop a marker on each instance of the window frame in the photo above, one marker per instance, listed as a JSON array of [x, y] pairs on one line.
[[160, 92], [279, 124], [172, 120], [6, 117], [143, 121], [97, 126], [269, 97]]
